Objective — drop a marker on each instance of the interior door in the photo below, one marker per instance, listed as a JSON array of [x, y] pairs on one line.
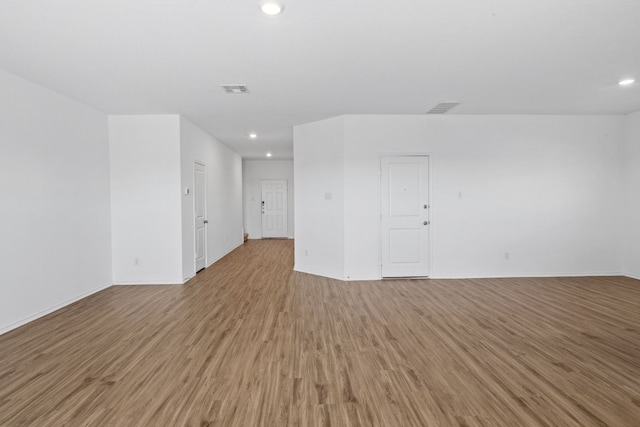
[[274, 208], [405, 216], [200, 211]]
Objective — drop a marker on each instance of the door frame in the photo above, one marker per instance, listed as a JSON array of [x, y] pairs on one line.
[[286, 193], [206, 229], [429, 157]]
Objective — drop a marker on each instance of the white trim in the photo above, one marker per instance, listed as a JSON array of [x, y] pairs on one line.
[[466, 277], [631, 276], [224, 255], [361, 278], [276, 238], [430, 219], [51, 309], [526, 275], [319, 273], [150, 282]]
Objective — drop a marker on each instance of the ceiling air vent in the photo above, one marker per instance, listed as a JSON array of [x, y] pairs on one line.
[[443, 107], [235, 88]]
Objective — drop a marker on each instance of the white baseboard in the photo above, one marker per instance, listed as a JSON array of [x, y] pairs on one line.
[[525, 275], [318, 273], [632, 276], [49, 310], [265, 238], [343, 279], [224, 255], [171, 282], [472, 276], [361, 278], [150, 283]]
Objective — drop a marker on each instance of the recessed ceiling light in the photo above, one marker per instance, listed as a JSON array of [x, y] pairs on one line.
[[626, 82], [268, 154], [272, 7], [253, 136]]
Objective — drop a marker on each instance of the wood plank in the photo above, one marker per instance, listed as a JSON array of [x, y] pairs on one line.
[[249, 342]]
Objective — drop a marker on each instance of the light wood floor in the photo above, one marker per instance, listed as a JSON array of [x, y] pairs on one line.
[[248, 342]]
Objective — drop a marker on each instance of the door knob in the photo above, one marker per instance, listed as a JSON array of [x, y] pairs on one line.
[[426, 223], [206, 221]]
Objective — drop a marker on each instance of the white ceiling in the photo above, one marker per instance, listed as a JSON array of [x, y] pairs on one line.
[[323, 58]]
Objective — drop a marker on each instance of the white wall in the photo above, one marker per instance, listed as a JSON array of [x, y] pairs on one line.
[[253, 172], [146, 199], [543, 188], [631, 195], [224, 195], [55, 244], [398, 134], [319, 197]]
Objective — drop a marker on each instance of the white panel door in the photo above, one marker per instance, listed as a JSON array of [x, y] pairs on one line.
[[405, 216], [200, 210], [274, 208]]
